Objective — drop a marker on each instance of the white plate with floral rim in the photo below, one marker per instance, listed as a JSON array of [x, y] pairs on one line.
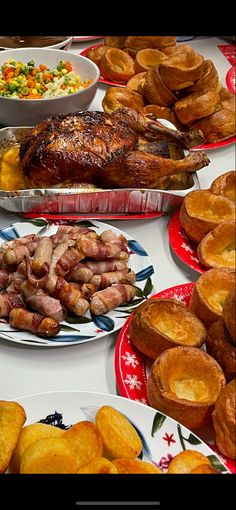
[[76, 330], [161, 436]]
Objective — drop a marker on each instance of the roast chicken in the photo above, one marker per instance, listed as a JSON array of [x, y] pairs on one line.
[[119, 150]]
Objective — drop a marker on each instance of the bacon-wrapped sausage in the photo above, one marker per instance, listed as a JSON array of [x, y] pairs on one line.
[[70, 297], [102, 281], [4, 278], [9, 300], [33, 322], [38, 268], [105, 300], [20, 241], [80, 273], [66, 233], [96, 249], [68, 261], [109, 237], [57, 254], [104, 266], [41, 302], [13, 256]]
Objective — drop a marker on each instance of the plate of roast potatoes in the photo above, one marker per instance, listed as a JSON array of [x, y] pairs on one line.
[[168, 80], [92, 433]]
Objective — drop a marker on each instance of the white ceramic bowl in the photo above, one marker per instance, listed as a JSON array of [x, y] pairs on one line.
[[65, 44], [28, 112]]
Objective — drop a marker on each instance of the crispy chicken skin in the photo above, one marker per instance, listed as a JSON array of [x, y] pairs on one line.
[[81, 147]]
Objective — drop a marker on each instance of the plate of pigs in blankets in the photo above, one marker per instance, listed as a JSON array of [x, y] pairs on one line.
[[68, 283]]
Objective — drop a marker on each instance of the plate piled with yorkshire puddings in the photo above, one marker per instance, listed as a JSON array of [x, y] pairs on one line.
[[177, 353], [202, 231], [168, 80]]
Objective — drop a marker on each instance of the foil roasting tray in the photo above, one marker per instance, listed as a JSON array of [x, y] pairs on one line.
[[87, 201]]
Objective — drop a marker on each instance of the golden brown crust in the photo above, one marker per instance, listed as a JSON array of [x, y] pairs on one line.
[[117, 65], [221, 124], [221, 348], [155, 90], [209, 293], [209, 79], [116, 41], [96, 54], [159, 324], [225, 185], [162, 112], [137, 43], [135, 82], [118, 97], [224, 420], [201, 211], [187, 461], [229, 314], [182, 70], [12, 419], [135, 466], [147, 58], [196, 106], [217, 248], [184, 383]]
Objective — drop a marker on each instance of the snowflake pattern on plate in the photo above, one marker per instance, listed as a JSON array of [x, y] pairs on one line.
[[184, 248], [132, 385]]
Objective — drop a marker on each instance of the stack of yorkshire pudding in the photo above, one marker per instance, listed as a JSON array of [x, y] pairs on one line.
[[208, 218], [168, 81], [185, 382]]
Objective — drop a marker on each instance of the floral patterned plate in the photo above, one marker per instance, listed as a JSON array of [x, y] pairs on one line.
[[183, 247], [161, 436], [75, 330], [132, 367]]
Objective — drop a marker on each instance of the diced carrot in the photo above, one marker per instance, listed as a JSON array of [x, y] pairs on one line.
[[17, 71], [68, 66], [88, 83], [42, 67], [10, 75], [7, 70], [33, 96]]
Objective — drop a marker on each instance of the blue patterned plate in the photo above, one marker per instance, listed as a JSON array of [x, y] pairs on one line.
[[161, 436], [82, 329]]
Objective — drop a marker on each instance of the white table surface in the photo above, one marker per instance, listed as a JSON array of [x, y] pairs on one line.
[[25, 370]]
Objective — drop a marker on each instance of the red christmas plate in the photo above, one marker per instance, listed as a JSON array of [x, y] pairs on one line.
[[215, 145], [231, 79], [101, 79], [183, 247], [132, 367]]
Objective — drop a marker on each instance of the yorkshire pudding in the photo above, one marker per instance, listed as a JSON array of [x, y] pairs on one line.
[[147, 58], [155, 90], [135, 82], [224, 420], [217, 248], [220, 346], [209, 293], [116, 41], [209, 80], [184, 383], [159, 324], [96, 54], [119, 97], [176, 51], [117, 65], [182, 70], [135, 43], [229, 314], [162, 112], [196, 106], [225, 185], [201, 211], [220, 125]]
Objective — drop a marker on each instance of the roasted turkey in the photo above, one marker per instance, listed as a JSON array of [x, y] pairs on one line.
[[110, 151]]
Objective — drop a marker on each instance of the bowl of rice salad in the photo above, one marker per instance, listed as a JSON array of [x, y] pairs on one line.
[[36, 83]]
